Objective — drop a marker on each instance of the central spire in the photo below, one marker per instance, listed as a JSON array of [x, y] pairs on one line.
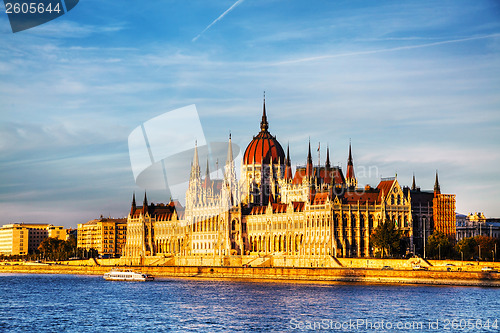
[[263, 124]]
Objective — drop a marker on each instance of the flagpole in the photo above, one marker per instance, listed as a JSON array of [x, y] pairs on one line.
[[319, 157]]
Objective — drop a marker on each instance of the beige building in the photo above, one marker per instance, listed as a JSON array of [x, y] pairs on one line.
[[106, 235], [476, 224], [24, 238], [315, 212]]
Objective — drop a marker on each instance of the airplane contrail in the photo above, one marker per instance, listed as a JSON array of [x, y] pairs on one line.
[[217, 19], [399, 48]]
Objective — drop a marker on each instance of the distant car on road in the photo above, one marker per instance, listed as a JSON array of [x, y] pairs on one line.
[[419, 268], [449, 265], [489, 269], [387, 267]]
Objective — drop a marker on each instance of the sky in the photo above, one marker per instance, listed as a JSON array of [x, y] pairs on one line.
[[414, 85]]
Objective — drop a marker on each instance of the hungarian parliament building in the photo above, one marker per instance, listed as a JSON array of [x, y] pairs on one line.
[[316, 211]]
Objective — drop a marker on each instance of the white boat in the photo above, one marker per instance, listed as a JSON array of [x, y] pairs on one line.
[[127, 276]]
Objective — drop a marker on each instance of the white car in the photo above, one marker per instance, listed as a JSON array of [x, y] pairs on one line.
[[419, 268], [488, 269]]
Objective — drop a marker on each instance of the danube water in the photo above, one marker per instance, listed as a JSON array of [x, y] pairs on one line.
[[71, 303]]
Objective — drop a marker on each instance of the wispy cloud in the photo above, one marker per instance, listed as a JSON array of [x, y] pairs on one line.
[[392, 49], [218, 19]]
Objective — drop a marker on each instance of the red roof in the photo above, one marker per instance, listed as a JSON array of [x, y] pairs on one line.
[[336, 172], [385, 187], [264, 148], [300, 174], [298, 206], [258, 210], [320, 198], [279, 207], [353, 197], [161, 211]]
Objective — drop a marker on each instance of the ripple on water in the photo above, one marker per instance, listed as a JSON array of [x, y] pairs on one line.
[[65, 303]]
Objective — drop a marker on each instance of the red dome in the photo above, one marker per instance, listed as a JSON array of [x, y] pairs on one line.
[[264, 147]]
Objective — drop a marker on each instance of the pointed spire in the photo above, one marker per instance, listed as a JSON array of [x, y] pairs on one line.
[[349, 160], [229, 152], [230, 182], [195, 157], [207, 177], [350, 177], [327, 163], [134, 206], [309, 166], [145, 204], [207, 174], [413, 184], [328, 176], [264, 124], [309, 157], [195, 165], [437, 188], [287, 161], [288, 164]]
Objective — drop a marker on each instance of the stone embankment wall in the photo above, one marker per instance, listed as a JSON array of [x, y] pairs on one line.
[[437, 275]]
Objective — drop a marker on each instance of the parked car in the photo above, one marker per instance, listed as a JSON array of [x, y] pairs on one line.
[[489, 269], [419, 268]]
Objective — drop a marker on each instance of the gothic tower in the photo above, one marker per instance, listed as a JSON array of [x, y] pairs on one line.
[[350, 180]]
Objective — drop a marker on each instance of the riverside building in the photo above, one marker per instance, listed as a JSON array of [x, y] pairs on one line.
[[317, 212], [24, 238], [106, 235]]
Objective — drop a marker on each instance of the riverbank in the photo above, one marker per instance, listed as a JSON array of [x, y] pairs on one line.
[[302, 274]]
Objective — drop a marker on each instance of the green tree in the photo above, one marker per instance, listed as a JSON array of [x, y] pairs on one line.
[[57, 249], [487, 245], [386, 237], [467, 246], [439, 246]]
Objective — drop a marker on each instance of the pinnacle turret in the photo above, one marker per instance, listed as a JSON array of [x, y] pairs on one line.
[[309, 166], [145, 203], [350, 177], [437, 188]]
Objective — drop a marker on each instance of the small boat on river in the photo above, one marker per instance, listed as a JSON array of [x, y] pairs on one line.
[[127, 276]]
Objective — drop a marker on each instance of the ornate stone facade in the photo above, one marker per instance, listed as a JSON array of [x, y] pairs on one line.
[[314, 212]]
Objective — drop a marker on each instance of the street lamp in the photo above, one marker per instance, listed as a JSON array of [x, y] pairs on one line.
[[479, 246], [424, 235], [462, 252], [439, 248]]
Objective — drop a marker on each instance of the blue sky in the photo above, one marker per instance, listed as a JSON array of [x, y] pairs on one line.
[[415, 86]]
